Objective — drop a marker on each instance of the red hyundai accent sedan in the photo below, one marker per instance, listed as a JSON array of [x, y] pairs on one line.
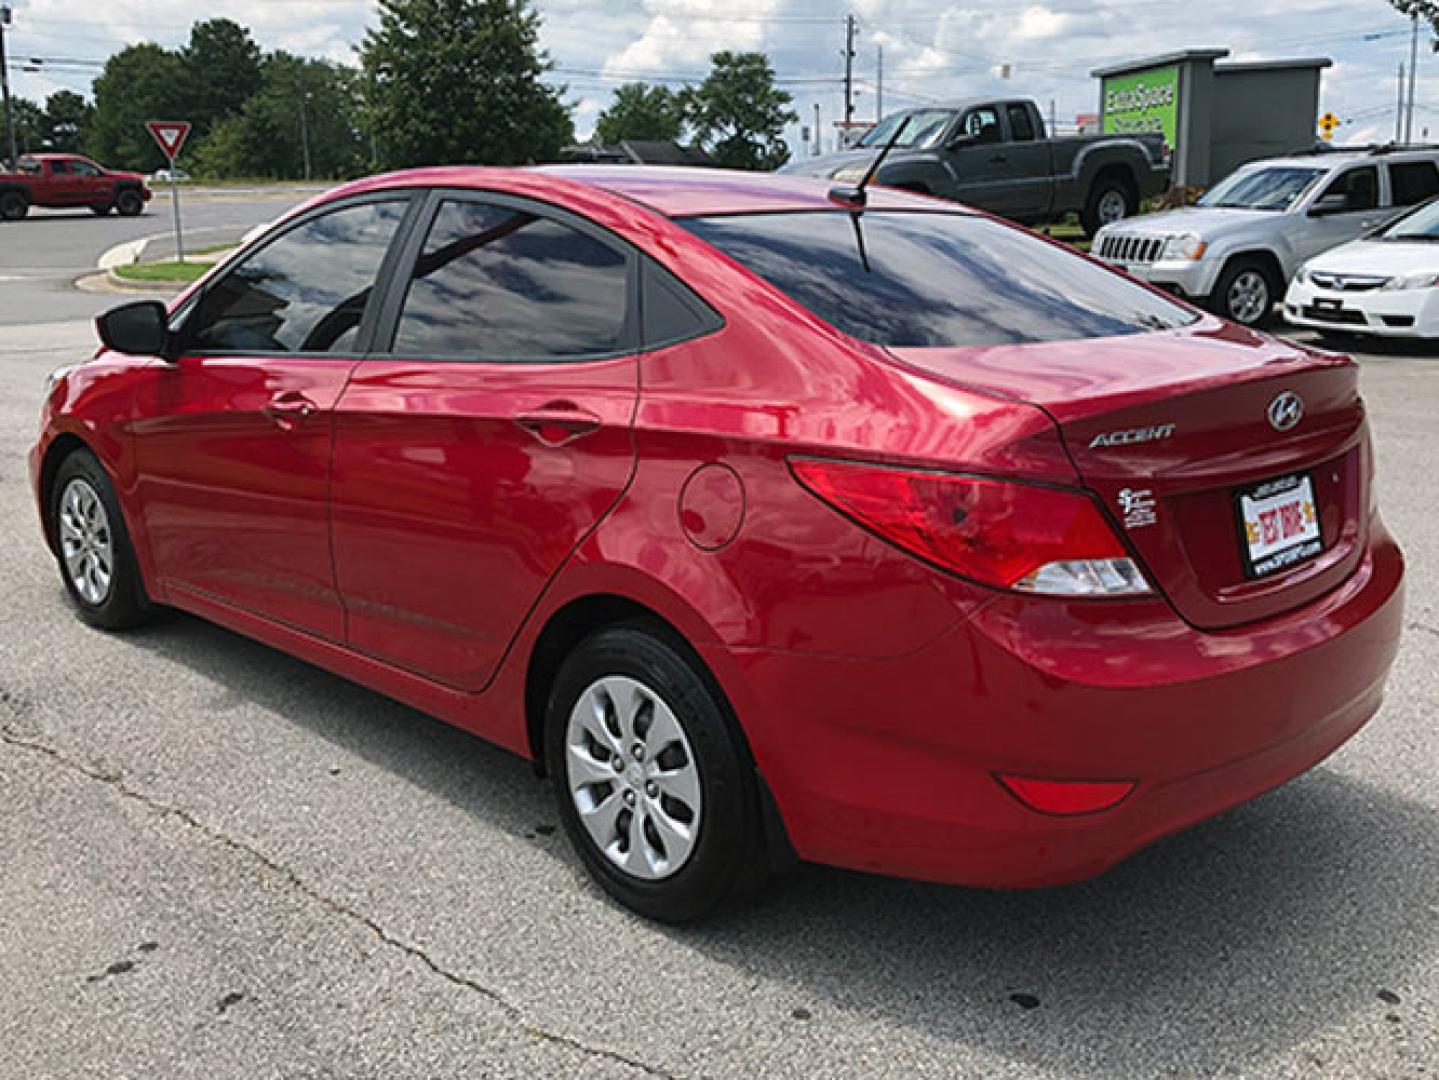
[[769, 523]]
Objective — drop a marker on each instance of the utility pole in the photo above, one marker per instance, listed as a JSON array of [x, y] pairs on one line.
[[848, 72], [818, 145], [879, 83], [1399, 108], [5, 86], [305, 130], [1413, 73]]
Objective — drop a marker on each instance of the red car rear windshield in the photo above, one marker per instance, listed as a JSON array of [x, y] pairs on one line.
[[935, 280]]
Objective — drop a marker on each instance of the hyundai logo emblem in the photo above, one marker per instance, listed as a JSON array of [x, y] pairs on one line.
[[1286, 411]]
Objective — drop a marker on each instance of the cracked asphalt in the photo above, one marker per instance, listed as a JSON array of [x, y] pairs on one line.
[[217, 861]]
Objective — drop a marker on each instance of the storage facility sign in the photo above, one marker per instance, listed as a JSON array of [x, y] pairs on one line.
[[1147, 101]]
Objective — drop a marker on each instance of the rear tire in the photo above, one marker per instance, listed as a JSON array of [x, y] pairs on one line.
[[1245, 293], [92, 547], [1111, 199], [129, 202], [636, 735], [13, 205]]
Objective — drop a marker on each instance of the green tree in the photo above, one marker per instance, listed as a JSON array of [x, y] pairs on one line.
[[29, 128], [67, 118], [738, 114], [460, 81], [222, 71], [302, 106], [640, 111], [139, 83]]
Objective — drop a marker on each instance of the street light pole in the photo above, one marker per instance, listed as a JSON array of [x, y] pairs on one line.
[[5, 86]]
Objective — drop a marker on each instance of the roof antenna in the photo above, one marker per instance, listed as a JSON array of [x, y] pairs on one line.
[[855, 197]]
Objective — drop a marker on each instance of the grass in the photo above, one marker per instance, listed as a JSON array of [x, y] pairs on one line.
[[1069, 234], [178, 272]]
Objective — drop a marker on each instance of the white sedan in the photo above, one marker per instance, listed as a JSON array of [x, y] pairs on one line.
[[1386, 284]]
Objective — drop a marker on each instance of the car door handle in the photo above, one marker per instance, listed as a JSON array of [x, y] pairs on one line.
[[290, 409], [559, 422]]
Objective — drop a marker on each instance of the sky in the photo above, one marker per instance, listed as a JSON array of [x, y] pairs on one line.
[[933, 50]]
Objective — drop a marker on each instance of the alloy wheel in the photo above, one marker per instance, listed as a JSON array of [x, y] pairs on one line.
[[87, 542], [1248, 297], [633, 779], [1113, 206]]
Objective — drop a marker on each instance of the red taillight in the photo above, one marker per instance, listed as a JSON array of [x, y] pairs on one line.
[[1067, 797], [1000, 533]]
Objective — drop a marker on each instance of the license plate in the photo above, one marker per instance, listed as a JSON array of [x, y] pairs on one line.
[[1279, 521]]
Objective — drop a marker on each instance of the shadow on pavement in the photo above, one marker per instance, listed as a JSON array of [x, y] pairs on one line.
[[1242, 938]]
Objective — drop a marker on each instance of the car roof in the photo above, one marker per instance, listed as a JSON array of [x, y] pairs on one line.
[[671, 190], [687, 191], [1334, 159]]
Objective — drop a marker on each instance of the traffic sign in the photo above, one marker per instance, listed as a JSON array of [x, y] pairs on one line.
[[1328, 123], [170, 135]]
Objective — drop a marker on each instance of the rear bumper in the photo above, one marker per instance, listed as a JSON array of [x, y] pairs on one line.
[[889, 767]]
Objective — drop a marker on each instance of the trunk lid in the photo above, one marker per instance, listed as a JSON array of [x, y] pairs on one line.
[[1169, 428]]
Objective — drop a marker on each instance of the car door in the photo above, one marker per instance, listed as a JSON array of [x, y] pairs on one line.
[[1350, 205], [91, 186], [63, 188], [234, 454], [978, 159], [1029, 192], [474, 457]]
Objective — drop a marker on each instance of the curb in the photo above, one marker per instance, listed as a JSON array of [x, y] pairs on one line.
[[110, 282]]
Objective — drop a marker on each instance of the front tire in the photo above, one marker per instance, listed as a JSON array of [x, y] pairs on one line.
[[652, 781], [13, 206], [92, 546], [1111, 199], [129, 202], [1245, 293]]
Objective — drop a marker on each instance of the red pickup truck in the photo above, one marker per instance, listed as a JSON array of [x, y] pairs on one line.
[[65, 180]]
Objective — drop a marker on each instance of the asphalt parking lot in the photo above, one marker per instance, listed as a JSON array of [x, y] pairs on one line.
[[217, 861]]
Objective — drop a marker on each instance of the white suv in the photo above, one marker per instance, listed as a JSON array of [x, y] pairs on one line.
[[1249, 235]]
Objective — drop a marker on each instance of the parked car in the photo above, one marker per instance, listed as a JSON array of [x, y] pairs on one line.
[[1235, 251], [68, 180], [1385, 284], [771, 524], [165, 176], [997, 156]]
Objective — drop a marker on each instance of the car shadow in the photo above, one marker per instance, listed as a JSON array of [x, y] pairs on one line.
[[1245, 937]]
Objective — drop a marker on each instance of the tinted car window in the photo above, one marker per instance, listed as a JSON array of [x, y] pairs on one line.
[[83, 168], [1360, 188], [304, 292], [498, 283], [671, 312], [1413, 182], [1020, 123], [936, 280], [59, 168]]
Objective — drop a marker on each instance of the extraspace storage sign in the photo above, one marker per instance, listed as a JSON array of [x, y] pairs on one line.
[[1144, 102]]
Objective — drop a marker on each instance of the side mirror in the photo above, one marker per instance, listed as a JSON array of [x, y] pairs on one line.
[[138, 329], [1330, 205]]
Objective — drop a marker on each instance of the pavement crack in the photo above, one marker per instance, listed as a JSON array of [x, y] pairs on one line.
[[116, 783], [1423, 627]]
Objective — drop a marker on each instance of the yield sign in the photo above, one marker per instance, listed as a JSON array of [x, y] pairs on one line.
[[170, 134]]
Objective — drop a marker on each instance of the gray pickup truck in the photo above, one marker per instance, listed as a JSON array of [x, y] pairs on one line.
[[997, 156]]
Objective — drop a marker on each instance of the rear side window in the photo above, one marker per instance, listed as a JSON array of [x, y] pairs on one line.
[[304, 292], [928, 280], [497, 283], [1414, 182], [1020, 124]]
